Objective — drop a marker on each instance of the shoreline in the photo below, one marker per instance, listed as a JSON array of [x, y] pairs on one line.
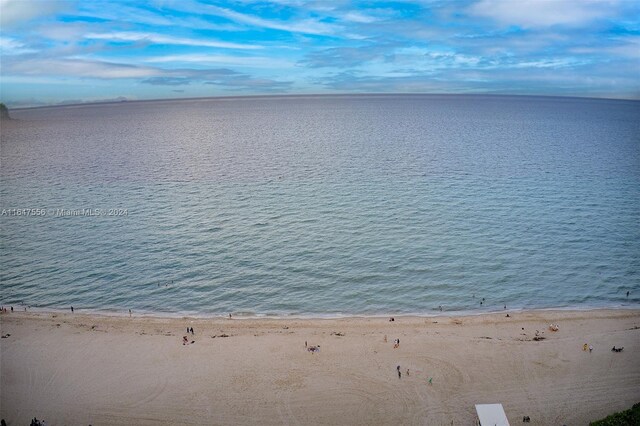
[[90, 369], [19, 309]]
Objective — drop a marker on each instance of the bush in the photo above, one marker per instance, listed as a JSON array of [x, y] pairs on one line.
[[630, 417], [4, 112]]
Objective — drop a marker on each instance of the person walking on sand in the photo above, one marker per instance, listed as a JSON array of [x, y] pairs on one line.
[[431, 380], [71, 309], [399, 372]]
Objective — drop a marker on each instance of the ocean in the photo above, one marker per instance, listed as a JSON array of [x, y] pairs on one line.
[[322, 205]]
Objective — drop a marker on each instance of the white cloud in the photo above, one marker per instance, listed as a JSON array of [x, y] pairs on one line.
[[358, 17], [544, 13], [244, 61], [548, 63], [13, 12], [75, 68], [162, 39], [10, 46]]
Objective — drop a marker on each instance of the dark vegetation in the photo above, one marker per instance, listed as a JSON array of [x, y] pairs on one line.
[[630, 417], [4, 112]]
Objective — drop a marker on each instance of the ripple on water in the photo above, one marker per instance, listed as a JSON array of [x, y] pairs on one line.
[[386, 204]]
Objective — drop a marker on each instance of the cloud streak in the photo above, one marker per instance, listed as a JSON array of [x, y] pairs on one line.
[[242, 61], [123, 36], [304, 26], [537, 13], [35, 66]]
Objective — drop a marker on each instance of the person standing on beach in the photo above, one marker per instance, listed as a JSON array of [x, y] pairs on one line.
[[71, 309], [399, 372]]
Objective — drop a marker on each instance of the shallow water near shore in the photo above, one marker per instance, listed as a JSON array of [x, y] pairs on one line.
[[313, 206]]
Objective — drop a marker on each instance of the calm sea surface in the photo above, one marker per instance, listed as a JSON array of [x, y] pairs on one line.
[[322, 205]]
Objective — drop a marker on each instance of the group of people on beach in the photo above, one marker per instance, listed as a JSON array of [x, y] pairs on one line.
[[3, 310], [313, 348], [185, 340], [400, 373], [398, 370]]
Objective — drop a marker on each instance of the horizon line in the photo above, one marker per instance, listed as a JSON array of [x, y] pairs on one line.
[[313, 95]]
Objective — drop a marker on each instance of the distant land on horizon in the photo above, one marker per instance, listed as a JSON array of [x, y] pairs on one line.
[[317, 95]]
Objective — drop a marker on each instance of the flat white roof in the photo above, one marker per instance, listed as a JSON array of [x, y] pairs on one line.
[[491, 415]]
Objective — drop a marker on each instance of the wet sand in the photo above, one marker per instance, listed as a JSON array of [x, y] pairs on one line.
[[80, 369]]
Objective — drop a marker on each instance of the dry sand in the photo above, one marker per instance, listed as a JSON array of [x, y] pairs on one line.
[[75, 369]]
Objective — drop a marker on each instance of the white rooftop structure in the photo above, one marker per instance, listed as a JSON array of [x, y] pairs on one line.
[[491, 415]]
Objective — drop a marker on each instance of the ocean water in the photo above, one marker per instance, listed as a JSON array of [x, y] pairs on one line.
[[332, 205]]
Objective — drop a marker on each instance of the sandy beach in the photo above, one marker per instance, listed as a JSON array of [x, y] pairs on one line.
[[78, 369]]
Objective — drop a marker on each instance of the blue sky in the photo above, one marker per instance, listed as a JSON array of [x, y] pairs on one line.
[[82, 51]]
